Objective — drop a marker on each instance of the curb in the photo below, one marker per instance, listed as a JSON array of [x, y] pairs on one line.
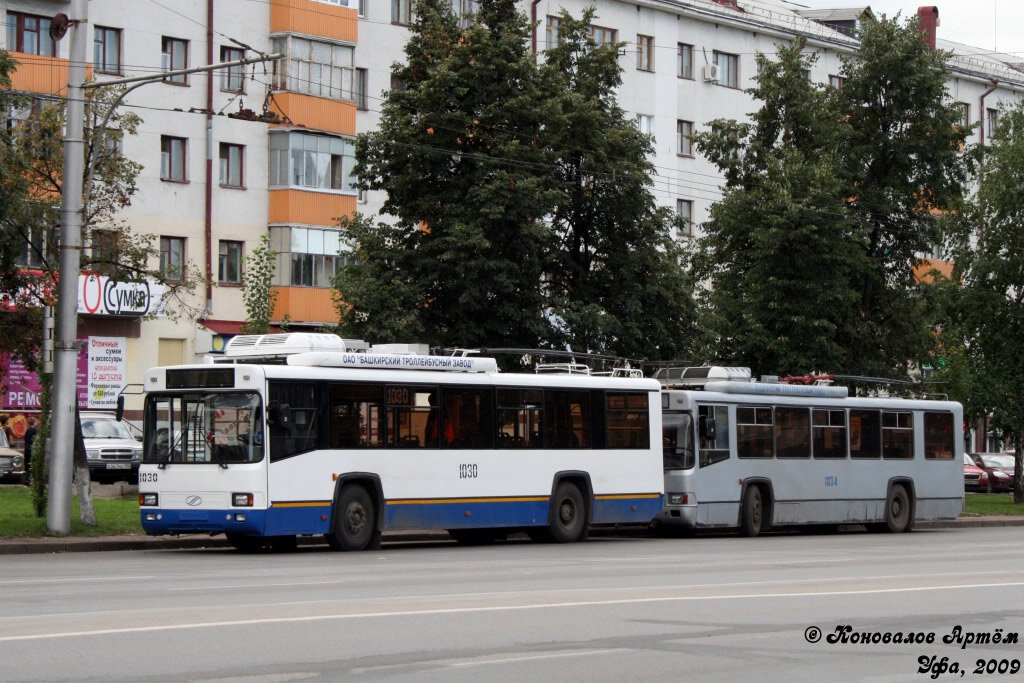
[[50, 545]]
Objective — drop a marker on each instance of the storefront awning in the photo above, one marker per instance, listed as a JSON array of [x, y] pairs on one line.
[[223, 326]]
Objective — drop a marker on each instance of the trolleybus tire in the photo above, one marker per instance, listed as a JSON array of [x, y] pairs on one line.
[[897, 510], [568, 514], [354, 519], [752, 512]]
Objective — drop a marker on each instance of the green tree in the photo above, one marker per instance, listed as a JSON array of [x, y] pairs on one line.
[[779, 250], [614, 276], [904, 167], [258, 295], [991, 298], [457, 154]]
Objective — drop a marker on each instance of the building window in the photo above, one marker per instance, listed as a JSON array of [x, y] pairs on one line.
[[32, 250], [728, 69], [229, 263], [992, 116], [397, 85], [684, 61], [603, 36], [551, 32], [172, 257], [30, 34], [464, 10], [836, 82], [313, 257], [965, 114], [172, 158], [401, 12], [362, 88], [645, 53], [645, 123], [319, 162], [362, 8], [684, 210], [105, 252], [231, 78], [174, 56], [231, 159], [106, 50], [684, 138], [313, 67]]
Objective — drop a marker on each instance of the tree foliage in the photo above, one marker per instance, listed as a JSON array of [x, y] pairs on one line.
[[520, 198], [258, 296], [990, 320], [831, 195]]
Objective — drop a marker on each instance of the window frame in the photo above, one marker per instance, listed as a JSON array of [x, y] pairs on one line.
[[684, 138], [172, 257], [98, 44], [225, 165], [644, 52], [231, 74], [227, 261], [401, 12], [729, 76], [18, 30], [684, 61], [171, 46], [168, 157], [686, 217]]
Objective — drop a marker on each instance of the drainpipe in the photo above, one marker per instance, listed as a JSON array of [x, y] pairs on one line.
[[208, 209], [533, 23]]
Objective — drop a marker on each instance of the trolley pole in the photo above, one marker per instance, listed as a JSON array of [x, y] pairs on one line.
[[58, 510]]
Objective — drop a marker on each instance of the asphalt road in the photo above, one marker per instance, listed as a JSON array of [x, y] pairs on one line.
[[619, 608]]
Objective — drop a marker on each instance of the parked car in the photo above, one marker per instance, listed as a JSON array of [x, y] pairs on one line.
[[999, 467], [12, 462], [975, 478], [112, 450]]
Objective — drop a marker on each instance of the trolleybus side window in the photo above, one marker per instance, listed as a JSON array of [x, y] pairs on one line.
[[414, 419], [938, 436], [753, 431], [626, 424], [792, 432], [865, 434], [713, 431], [829, 433], [566, 419], [292, 417], [470, 412], [897, 435], [355, 415], [519, 418]]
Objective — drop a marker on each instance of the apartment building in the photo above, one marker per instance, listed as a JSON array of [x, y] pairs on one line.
[[228, 156]]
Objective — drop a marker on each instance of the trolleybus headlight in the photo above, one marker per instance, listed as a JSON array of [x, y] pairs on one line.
[[241, 500], [677, 499], [148, 499]]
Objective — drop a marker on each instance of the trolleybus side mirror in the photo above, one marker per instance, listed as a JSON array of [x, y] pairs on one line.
[[119, 410], [706, 427]]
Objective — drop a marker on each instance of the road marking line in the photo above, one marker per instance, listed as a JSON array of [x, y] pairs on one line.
[[493, 608]]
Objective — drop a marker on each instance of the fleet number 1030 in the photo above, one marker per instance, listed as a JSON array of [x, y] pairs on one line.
[[467, 471]]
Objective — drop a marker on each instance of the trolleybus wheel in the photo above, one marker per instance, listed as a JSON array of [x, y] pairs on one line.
[[897, 510], [568, 514], [354, 519], [752, 512]]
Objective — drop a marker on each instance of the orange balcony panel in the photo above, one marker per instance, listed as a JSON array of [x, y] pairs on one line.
[[37, 74], [305, 305], [922, 271], [318, 113], [311, 208], [314, 19]]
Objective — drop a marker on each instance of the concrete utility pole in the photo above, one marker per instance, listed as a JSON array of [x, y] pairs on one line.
[[58, 509]]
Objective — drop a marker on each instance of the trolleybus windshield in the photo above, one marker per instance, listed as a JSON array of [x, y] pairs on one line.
[[212, 428]]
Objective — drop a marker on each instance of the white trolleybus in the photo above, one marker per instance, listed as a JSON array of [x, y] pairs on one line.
[[754, 455], [305, 434]]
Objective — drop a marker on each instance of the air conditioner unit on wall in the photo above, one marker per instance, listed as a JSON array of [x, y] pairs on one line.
[[710, 72]]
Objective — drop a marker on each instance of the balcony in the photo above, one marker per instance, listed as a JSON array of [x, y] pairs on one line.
[[304, 305], [314, 19]]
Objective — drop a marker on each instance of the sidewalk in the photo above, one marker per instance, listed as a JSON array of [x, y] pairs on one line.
[[40, 545]]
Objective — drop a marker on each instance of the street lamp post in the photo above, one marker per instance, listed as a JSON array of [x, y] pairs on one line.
[[66, 345]]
